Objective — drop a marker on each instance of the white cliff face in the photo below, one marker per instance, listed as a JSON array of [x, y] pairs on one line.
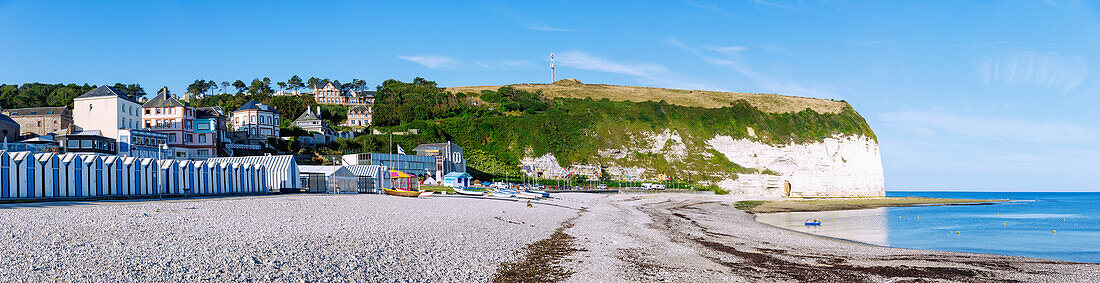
[[838, 166], [845, 166]]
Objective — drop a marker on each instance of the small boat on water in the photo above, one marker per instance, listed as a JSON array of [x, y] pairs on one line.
[[465, 191], [813, 222], [402, 193]]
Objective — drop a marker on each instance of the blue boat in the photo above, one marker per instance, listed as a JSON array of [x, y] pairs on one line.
[[813, 222]]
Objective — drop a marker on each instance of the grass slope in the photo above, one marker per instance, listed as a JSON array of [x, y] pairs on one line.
[[769, 103]]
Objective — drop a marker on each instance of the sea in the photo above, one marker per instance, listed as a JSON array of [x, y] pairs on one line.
[[1049, 225]]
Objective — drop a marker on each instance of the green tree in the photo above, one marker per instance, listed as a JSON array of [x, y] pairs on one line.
[[240, 86], [294, 83]]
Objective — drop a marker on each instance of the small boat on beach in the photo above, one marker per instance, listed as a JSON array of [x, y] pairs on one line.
[[403, 193], [466, 192], [813, 222], [540, 193]]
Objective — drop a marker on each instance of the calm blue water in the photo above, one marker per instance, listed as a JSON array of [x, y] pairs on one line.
[[1063, 226]]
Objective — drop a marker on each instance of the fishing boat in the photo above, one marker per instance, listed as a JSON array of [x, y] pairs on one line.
[[540, 193], [502, 193], [813, 222], [426, 194], [526, 195], [402, 193], [465, 191]]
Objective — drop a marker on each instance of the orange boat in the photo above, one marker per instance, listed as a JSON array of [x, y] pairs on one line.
[[403, 193]]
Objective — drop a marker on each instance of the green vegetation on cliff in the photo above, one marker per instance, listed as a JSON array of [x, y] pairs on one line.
[[509, 124]]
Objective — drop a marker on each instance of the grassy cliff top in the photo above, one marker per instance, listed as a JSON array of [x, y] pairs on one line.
[[766, 102]]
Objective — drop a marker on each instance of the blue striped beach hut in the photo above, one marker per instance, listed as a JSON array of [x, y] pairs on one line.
[[92, 175]]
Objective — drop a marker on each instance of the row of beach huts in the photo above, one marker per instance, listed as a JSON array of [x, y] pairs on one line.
[[25, 175]]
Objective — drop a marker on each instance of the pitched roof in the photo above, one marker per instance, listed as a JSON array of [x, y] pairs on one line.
[[359, 109], [163, 99], [6, 119], [105, 91], [35, 111], [256, 105], [308, 115], [203, 112]]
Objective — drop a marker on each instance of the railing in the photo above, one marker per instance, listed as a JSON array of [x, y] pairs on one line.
[[36, 148]]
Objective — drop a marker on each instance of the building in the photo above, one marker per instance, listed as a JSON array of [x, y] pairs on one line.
[[447, 157], [310, 121], [330, 179], [282, 170], [374, 177], [257, 120], [40, 121], [143, 144], [413, 164], [330, 93], [456, 180], [165, 114], [360, 116], [106, 109], [9, 129], [91, 142], [210, 129]]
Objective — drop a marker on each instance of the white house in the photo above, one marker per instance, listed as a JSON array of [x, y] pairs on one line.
[[106, 109]]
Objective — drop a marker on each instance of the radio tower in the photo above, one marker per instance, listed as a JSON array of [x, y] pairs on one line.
[[552, 67]]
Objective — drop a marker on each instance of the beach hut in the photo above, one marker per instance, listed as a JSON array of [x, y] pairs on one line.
[[111, 175], [44, 176], [403, 181], [201, 175], [231, 177], [372, 177], [281, 170], [187, 177], [130, 172], [148, 176], [213, 169], [456, 180], [165, 168], [91, 168], [5, 174], [69, 175]]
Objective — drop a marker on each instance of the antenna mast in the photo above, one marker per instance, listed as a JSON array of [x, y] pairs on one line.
[[552, 67]]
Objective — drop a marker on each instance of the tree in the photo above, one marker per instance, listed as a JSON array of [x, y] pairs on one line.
[[294, 82], [196, 87], [240, 86], [225, 86], [260, 86], [134, 91], [282, 85], [313, 81]]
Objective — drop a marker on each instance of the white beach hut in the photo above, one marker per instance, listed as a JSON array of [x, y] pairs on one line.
[[91, 170], [69, 175], [5, 175], [148, 176], [131, 174], [111, 175], [45, 176]]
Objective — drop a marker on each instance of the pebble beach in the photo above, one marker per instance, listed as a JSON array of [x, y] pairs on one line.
[[377, 238]]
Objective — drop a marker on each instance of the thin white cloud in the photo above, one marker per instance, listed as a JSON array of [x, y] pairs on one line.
[[996, 128], [1034, 70], [733, 50], [729, 57], [644, 72], [544, 28], [712, 9], [437, 62]]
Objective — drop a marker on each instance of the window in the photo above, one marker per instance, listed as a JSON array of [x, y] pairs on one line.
[[158, 111], [147, 111], [89, 107], [202, 138], [172, 137], [86, 143], [74, 144], [170, 110], [252, 119], [39, 123]]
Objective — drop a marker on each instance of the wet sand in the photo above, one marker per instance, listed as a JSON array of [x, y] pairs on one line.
[[701, 238]]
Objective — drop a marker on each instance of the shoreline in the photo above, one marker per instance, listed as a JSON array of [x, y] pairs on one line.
[[840, 204]]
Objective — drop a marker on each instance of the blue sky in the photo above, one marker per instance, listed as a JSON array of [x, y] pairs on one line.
[[983, 95]]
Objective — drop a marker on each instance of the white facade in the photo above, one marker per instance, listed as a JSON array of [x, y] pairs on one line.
[[106, 114]]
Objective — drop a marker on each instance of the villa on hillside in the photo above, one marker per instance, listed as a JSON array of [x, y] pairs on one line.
[[331, 93], [310, 121], [165, 114], [360, 116], [257, 121]]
